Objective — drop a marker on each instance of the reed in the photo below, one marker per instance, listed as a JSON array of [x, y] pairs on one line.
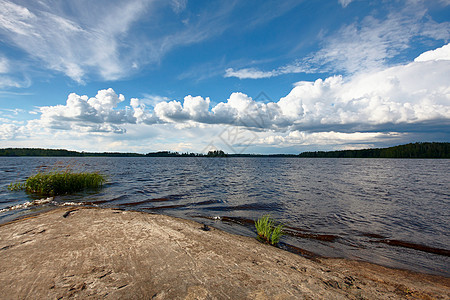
[[59, 182], [267, 231]]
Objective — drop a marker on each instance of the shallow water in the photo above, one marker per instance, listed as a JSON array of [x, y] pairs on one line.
[[393, 212]]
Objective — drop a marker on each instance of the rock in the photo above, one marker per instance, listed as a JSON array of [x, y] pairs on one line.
[[122, 254]]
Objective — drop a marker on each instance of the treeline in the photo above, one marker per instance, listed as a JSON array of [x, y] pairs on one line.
[[413, 150], [61, 152], [68, 153], [37, 152], [172, 154]]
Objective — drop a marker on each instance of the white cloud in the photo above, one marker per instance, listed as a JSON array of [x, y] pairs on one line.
[[368, 102], [8, 131], [178, 5], [86, 38], [373, 43], [253, 73], [442, 53], [7, 81], [363, 46], [15, 17], [152, 100], [193, 108], [96, 114], [393, 96], [9, 76], [324, 138], [4, 65], [139, 110], [393, 103], [48, 34], [345, 3]]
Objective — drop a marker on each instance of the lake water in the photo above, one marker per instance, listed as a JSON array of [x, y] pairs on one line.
[[393, 212]]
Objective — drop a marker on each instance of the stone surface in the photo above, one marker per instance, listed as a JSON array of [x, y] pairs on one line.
[[104, 253]]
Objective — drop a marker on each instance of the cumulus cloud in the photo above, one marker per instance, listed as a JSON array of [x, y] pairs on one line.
[[442, 53], [8, 131], [368, 102], [384, 104], [193, 108], [379, 100], [96, 114]]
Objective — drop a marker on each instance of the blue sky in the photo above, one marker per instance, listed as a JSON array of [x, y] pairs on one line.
[[241, 76]]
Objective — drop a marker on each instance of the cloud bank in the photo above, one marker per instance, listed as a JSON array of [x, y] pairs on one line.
[[412, 94], [409, 98]]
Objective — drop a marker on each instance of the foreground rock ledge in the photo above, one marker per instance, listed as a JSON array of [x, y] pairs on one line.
[[95, 253]]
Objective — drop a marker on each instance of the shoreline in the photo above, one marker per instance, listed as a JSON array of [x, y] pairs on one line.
[[90, 252], [38, 209]]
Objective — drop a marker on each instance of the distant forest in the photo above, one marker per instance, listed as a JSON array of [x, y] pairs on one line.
[[413, 150]]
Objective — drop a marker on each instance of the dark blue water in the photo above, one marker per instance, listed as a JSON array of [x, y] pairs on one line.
[[393, 212]]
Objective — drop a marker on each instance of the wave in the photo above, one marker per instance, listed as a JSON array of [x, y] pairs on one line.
[[28, 204]]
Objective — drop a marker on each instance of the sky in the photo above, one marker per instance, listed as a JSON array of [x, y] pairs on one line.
[[241, 76]]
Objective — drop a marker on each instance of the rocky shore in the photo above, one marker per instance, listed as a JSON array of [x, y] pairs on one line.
[[105, 253]]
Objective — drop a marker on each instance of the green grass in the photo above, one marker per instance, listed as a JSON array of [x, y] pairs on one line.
[[267, 231], [277, 233], [59, 182]]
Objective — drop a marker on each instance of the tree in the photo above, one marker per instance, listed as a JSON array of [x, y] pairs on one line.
[[216, 153]]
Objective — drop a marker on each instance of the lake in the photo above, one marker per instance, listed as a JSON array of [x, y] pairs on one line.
[[393, 212]]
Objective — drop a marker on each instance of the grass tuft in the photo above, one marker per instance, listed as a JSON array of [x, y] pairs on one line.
[[267, 231], [277, 233], [59, 182]]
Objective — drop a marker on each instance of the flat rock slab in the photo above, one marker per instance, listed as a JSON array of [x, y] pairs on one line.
[[104, 253]]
